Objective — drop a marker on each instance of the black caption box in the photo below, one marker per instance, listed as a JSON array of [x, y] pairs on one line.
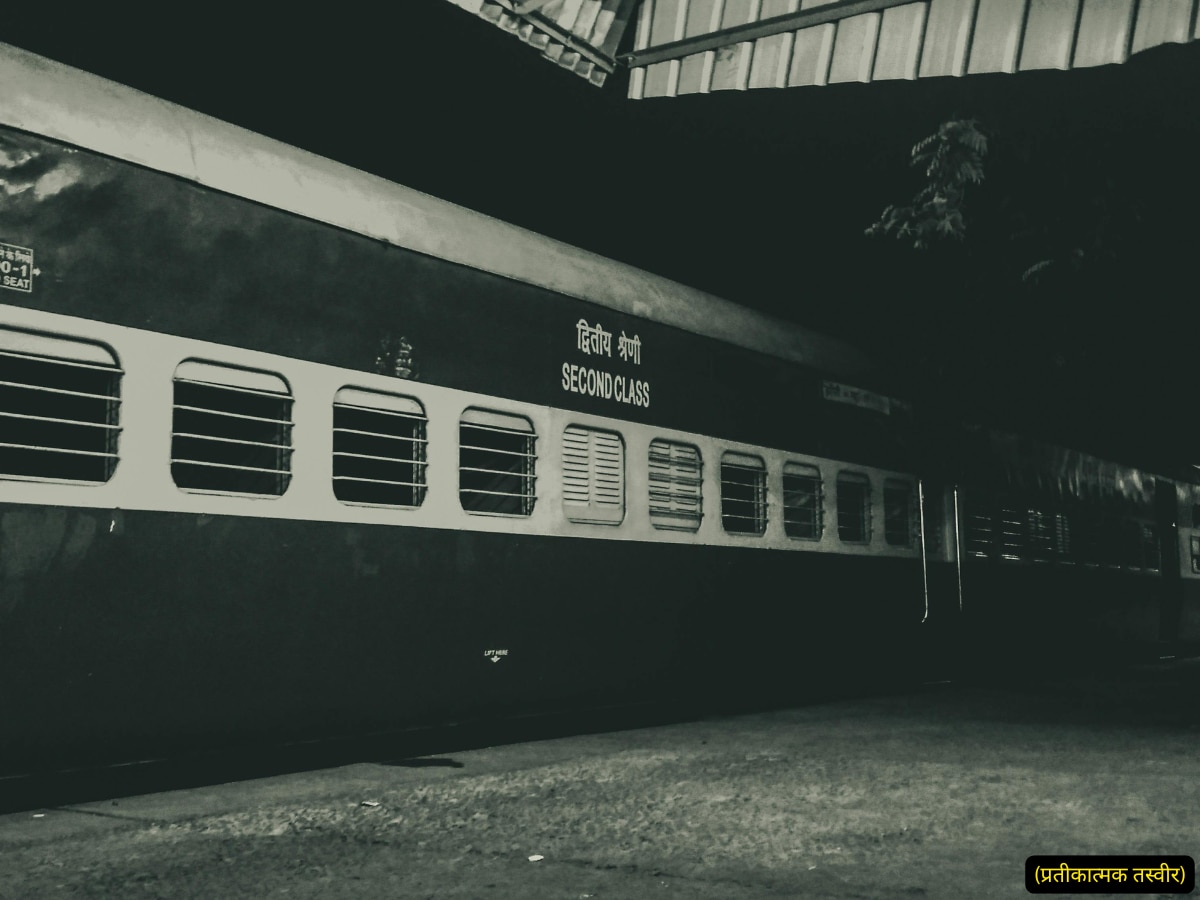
[[1110, 874]]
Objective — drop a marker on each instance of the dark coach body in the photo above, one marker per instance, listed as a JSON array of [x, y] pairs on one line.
[[292, 451]]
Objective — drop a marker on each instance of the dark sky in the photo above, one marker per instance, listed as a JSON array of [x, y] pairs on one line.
[[762, 196]]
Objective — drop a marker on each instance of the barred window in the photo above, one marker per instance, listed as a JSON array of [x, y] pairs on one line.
[[854, 507], [1040, 530], [898, 513], [675, 470], [1062, 536], [496, 463], [1012, 531], [978, 525], [802, 501], [231, 430], [59, 409], [1017, 531], [378, 448], [593, 476], [743, 494]]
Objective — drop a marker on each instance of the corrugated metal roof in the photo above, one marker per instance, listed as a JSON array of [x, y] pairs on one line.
[[697, 46], [580, 35]]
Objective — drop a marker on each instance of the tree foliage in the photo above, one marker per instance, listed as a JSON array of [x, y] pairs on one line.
[[951, 158]]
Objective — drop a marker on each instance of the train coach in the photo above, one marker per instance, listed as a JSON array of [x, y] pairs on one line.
[[289, 451], [1055, 557], [293, 451]]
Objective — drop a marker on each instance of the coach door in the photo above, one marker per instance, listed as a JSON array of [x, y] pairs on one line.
[[943, 579], [1166, 516]]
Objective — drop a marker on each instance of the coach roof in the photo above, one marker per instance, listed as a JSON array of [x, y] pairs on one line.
[[48, 98]]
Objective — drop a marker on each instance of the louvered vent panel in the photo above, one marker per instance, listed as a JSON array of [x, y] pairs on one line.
[[593, 476]]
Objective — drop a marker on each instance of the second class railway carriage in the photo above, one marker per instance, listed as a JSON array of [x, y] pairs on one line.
[[291, 451]]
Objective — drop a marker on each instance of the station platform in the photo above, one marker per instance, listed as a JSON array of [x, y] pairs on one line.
[[940, 792]]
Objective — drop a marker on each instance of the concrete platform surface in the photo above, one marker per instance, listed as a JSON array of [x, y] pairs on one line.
[[940, 793]]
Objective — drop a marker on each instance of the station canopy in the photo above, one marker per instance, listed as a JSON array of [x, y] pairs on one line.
[[580, 35], [697, 46]]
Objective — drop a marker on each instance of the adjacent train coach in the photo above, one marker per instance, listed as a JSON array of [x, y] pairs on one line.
[[1057, 557], [290, 451]]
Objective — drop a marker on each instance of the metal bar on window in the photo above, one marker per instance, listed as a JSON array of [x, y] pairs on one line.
[[527, 434], [13, 476], [61, 361], [66, 450], [238, 389], [83, 422], [380, 434], [507, 472], [412, 417], [215, 465], [229, 415], [111, 398], [519, 495], [401, 460], [224, 440], [412, 484]]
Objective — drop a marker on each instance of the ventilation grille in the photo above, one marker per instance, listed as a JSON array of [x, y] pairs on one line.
[[674, 474]]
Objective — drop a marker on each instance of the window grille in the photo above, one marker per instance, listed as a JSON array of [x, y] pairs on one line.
[[59, 409], [496, 463], [231, 430], [1041, 534], [898, 513], [1062, 537], [978, 526], [593, 476], [675, 470], [1012, 532], [743, 494], [854, 507], [379, 449], [802, 516]]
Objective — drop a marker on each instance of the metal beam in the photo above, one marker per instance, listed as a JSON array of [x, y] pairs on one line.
[[616, 30], [528, 6], [833, 12], [571, 42]]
